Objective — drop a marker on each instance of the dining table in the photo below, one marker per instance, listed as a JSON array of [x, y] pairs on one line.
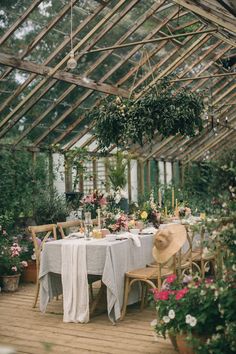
[[66, 265]]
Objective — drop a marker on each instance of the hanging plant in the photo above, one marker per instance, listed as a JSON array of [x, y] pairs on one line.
[[162, 109]]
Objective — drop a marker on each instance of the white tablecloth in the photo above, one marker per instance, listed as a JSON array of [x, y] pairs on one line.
[[109, 259]]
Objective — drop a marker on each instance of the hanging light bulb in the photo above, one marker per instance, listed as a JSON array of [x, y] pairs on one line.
[[72, 62]]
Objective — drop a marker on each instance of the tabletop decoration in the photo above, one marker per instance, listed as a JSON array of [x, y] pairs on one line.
[[149, 212], [94, 201], [116, 222]]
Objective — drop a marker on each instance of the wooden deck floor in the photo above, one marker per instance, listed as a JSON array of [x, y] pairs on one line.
[[29, 331]]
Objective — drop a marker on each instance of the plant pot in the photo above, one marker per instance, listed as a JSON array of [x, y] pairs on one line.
[[10, 283], [29, 274], [186, 347], [173, 341]]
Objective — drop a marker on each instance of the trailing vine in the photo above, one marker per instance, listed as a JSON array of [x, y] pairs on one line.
[[163, 109]]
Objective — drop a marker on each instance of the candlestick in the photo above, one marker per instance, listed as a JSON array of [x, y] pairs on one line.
[[99, 218], [173, 198]]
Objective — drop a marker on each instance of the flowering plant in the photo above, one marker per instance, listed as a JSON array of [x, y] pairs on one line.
[[10, 260], [189, 307], [93, 201]]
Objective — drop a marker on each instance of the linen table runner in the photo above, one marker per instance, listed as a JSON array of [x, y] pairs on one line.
[[74, 281]]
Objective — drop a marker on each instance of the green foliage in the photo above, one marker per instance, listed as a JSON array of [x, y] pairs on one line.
[[50, 208], [19, 184], [161, 109], [210, 184], [117, 172]]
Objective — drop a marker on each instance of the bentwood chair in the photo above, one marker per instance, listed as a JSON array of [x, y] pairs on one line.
[[40, 235], [66, 227], [155, 275]]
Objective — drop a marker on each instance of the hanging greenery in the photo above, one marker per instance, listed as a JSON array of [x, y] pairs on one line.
[[162, 108]]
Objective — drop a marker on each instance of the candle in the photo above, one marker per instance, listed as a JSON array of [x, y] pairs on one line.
[[173, 198], [99, 218], [159, 197]]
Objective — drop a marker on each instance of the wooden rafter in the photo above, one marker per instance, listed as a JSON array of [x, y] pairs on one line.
[[19, 21], [208, 14], [60, 75]]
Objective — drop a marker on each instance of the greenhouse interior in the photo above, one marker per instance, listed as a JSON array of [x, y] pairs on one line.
[[118, 176]]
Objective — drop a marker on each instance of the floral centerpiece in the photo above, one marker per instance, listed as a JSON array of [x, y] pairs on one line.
[[116, 222], [150, 212], [190, 307], [92, 202]]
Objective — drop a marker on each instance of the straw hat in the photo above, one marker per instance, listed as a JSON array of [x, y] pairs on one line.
[[168, 241]]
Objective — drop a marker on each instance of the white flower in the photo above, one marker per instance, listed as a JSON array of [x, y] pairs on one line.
[[33, 257], [202, 292], [153, 323], [171, 314], [193, 322], [234, 267], [166, 319], [188, 318]]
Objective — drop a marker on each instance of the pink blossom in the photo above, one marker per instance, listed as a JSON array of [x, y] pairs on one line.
[[171, 278], [181, 293], [209, 280], [102, 201], [14, 269], [161, 295], [24, 264]]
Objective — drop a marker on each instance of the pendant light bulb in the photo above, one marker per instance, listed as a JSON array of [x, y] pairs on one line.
[[72, 63]]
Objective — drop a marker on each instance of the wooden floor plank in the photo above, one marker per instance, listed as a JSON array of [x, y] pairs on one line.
[[31, 332]]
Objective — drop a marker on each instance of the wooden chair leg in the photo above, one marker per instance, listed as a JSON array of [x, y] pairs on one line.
[[36, 294], [91, 292], [143, 295], [126, 296]]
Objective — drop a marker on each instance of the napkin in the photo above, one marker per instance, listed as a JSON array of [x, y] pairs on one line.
[[75, 235], [133, 237], [149, 230]]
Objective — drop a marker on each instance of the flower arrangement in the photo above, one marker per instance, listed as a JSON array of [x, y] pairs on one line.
[[93, 201], [116, 222], [190, 306], [150, 212], [10, 257]]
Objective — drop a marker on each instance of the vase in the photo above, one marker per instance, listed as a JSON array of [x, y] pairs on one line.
[[29, 274], [10, 283]]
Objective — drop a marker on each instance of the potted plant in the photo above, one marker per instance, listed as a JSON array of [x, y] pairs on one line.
[[188, 310], [11, 264]]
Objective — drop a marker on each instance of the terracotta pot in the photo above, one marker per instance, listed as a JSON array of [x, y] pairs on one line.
[[173, 341], [184, 346], [29, 274], [10, 282]]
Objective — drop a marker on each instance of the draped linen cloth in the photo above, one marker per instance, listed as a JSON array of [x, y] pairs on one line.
[[74, 281]]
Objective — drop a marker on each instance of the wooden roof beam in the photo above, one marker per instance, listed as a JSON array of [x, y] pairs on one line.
[[44, 70], [53, 70], [50, 58], [19, 21], [207, 14], [41, 35]]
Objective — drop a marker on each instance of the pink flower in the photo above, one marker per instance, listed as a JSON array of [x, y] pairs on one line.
[[24, 264], [171, 278], [181, 293], [103, 201], [14, 269], [161, 295]]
